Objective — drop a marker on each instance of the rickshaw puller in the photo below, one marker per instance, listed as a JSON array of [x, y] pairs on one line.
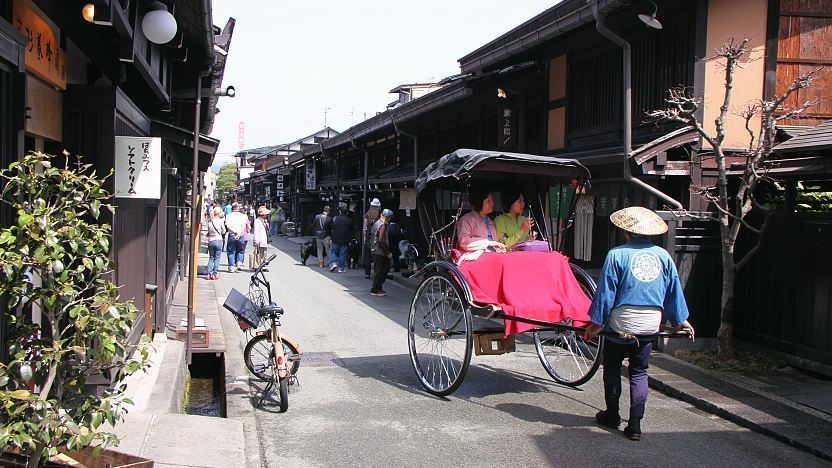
[[638, 284]]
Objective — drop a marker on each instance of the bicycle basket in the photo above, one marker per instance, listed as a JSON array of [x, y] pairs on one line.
[[242, 308]]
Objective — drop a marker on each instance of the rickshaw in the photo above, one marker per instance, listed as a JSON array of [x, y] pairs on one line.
[[441, 331]]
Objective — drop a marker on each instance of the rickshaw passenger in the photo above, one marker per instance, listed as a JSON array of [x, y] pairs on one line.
[[512, 226], [476, 232]]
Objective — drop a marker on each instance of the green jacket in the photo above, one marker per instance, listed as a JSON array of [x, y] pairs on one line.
[[508, 229]]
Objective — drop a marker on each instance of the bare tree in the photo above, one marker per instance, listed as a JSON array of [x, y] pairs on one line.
[[731, 206]]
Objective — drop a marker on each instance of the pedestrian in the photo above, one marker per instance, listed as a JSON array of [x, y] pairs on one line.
[[370, 217], [382, 256], [638, 284], [274, 221], [246, 236], [261, 237], [216, 233], [341, 237], [394, 235], [323, 232], [235, 223], [251, 212], [228, 207]]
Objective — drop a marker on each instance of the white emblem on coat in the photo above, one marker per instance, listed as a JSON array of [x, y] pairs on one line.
[[646, 266]]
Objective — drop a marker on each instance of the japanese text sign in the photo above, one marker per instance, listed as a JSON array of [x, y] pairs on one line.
[[310, 176], [138, 164], [44, 56]]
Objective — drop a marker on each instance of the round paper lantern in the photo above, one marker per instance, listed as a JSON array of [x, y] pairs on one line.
[[159, 26]]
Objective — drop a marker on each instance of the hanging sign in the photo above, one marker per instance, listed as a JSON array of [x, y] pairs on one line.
[[138, 164], [44, 56], [310, 176]]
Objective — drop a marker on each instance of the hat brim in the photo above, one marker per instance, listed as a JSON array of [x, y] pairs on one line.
[[640, 221]]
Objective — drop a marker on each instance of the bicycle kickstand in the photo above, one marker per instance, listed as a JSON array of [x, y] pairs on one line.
[[265, 394]]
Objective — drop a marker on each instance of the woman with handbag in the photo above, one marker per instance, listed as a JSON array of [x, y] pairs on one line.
[[216, 233], [260, 236]]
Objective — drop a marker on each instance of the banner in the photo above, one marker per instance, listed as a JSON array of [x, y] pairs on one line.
[[138, 164]]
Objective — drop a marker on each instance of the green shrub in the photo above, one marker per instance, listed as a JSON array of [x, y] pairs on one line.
[[55, 256]]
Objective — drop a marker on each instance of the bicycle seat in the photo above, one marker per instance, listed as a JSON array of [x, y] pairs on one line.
[[270, 309]]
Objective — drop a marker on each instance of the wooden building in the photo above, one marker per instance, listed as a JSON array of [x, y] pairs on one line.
[[553, 85], [62, 88]]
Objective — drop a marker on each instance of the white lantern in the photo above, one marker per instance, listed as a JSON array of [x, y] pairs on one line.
[[158, 25]]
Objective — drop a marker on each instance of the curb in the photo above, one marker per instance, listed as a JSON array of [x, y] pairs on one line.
[[738, 413], [238, 405], [169, 389]]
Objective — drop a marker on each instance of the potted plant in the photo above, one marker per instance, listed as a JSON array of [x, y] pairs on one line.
[[66, 323]]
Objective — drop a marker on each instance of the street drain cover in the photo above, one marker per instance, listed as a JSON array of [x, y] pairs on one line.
[[320, 359]]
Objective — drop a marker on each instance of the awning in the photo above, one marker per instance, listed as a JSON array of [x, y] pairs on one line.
[[182, 141], [664, 143], [811, 140]]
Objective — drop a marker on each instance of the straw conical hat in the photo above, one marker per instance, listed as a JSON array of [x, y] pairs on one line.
[[639, 220]]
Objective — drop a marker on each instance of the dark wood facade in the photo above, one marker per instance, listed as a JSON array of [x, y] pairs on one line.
[[12, 115], [134, 88]]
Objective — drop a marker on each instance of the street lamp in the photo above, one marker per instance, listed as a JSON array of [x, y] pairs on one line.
[[158, 25]]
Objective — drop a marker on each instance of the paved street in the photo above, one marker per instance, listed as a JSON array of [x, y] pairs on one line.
[[365, 406]]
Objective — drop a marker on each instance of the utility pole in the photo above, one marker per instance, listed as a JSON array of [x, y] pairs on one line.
[[325, 111]]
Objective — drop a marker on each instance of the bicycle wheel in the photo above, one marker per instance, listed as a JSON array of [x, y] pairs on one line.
[[440, 334], [258, 359], [283, 385], [566, 356]]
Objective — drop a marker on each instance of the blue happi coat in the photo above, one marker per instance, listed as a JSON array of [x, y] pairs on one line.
[[639, 273]]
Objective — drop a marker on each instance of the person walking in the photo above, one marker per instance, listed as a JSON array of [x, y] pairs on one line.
[[323, 232], [216, 233], [228, 207], [274, 221], [370, 217], [380, 248], [341, 237], [261, 236], [235, 223], [246, 236], [638, 285], [394, 236]]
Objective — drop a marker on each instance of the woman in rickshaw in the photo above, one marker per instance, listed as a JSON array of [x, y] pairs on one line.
[[476, 232], [512, 226]]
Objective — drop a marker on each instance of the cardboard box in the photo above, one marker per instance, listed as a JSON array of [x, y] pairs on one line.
[[200, 333], [493, 344]]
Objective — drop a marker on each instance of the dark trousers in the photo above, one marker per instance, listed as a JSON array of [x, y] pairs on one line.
[[639, 355], [381, 265], [368, 258]]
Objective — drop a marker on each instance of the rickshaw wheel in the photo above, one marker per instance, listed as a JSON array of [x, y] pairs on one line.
[[440, 334], [565, 355]]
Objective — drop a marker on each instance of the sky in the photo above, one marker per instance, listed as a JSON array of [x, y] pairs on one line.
[[292, 61]]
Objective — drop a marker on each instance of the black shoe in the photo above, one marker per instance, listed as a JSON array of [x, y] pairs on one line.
[[608, 419], [632, 434]]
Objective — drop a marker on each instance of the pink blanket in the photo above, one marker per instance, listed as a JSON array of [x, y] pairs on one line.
[[534, 285]]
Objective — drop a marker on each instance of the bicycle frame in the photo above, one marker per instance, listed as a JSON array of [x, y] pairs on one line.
[[280, 359]]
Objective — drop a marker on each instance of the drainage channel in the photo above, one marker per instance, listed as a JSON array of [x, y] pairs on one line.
[[206, 391]]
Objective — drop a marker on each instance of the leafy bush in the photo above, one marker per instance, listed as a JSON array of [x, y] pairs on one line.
[[55, 257]]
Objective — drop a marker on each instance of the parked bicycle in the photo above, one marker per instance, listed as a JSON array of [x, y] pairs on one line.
[[257, 309], [289, 229]]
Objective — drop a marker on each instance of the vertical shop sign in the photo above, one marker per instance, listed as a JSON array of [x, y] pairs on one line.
[[310, 176], [506, 132], [138, 164]]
